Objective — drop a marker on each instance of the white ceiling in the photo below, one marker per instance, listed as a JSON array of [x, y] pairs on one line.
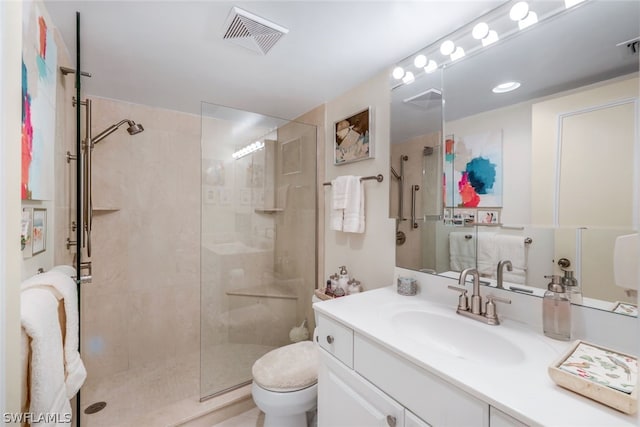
[[171, 54]]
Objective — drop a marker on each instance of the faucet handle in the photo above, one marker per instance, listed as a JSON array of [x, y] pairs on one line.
[[463, 300], [490, 308]]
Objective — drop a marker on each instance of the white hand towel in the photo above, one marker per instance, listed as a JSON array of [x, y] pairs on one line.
[[47, 389], [486, 254], [513, 248], [64, 288], [462, 251], [354, 220], [338, 202]]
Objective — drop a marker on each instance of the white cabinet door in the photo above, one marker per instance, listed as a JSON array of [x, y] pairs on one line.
[[498, 418], [345, 399], [411, 420]]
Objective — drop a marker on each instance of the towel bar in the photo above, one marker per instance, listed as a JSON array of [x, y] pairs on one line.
[[378, 178]]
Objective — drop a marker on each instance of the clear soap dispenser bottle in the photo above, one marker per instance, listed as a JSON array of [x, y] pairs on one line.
[[571, 286], [556, 311]]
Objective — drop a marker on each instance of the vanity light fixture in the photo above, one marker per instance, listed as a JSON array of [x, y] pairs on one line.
[[398, 73], [492, 37], [480, 30], [531, 19], [506, 87], [245, 151], [420, 61], [519, 11], [408, 78]]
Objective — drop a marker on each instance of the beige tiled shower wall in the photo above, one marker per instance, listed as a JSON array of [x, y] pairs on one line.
[[143, 305]]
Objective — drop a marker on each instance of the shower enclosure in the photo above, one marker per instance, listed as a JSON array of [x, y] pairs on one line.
[[258, 239]]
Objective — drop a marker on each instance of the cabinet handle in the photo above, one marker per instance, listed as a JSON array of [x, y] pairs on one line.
[[391, 421], [329, 339]]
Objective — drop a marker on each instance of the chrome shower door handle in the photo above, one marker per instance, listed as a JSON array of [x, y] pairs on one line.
[[414, 190]]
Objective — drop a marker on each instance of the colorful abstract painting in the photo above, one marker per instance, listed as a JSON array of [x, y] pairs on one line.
[[39, 65], [473, 170]]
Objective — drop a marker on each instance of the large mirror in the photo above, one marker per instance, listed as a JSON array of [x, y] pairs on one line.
[[562, 187]]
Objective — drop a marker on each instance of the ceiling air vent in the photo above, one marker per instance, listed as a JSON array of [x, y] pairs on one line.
[[251, 31], [428, 99]]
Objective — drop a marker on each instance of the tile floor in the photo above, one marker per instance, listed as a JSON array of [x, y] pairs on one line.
[[251, 418]]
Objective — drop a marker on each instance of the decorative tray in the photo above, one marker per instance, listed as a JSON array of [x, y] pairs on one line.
[[625, 308], [599, 373]]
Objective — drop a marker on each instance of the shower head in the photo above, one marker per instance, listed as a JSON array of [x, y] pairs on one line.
[[133, 129]]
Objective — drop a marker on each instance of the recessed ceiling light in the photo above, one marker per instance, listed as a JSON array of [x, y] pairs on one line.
[[506, 87], [420, 61], [398, 73]]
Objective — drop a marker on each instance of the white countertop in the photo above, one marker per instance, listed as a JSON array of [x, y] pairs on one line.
[[522, 389]]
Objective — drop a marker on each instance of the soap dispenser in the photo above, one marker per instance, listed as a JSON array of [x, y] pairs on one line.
[[571, 286], [556, 311]]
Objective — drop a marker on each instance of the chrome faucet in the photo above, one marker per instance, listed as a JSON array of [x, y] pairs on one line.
[[475, 312], [501, 265]]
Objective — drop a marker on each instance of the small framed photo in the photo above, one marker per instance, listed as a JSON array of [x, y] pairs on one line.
[[26, 233], [39, 231], [352, 138], [488, 216], [464, 217]]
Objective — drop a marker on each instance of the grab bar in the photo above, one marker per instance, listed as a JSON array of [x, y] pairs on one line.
[[86, 191], [414, 189]]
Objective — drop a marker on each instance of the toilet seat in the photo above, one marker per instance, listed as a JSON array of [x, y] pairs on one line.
[[287, 369]]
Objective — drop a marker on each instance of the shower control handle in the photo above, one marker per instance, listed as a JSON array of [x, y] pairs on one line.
[[329, 339], [391, 421]]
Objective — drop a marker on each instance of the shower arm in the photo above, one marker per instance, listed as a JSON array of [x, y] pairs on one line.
[[108, 131]]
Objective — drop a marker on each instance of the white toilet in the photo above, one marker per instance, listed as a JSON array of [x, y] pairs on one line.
[[285, 384]]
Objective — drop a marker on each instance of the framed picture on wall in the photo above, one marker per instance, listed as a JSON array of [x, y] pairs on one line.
[[39, 231], [26, 232], [352, 138], [489, 216]]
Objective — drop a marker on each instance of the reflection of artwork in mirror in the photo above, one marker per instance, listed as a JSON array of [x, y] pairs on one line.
[[464, 217], [353, 139], [291, 157], [39, 232], [26, 233], [488, 216], [213, 172], [473, 170]]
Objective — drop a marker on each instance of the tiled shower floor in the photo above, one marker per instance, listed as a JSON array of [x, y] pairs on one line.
[[165, 392]]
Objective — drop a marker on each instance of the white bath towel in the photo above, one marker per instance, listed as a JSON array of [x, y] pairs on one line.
[[354, 221], [513, 248], [64, 288], [462, 251], [47, 388], [486, 257]]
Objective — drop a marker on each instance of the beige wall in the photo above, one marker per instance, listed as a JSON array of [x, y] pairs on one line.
[[10, 49], [143, 303], [369, 256]]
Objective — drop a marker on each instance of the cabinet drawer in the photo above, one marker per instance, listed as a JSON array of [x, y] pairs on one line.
[[335, 338], [429, 397]]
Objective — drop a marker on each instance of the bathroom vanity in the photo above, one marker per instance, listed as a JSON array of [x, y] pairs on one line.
[[392, 360]]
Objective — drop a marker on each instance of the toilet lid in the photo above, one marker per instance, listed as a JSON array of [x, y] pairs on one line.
[[289, 368]]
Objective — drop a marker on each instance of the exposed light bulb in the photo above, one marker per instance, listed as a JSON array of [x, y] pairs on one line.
[[398, 73], [459, 53], [492, 37], [519, 11], [431, 66], [420, 61], [447, 47], [408, 78], [531, 19], [480, 30]]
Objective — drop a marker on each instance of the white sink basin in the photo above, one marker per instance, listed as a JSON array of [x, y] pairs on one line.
[[457, 336]]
